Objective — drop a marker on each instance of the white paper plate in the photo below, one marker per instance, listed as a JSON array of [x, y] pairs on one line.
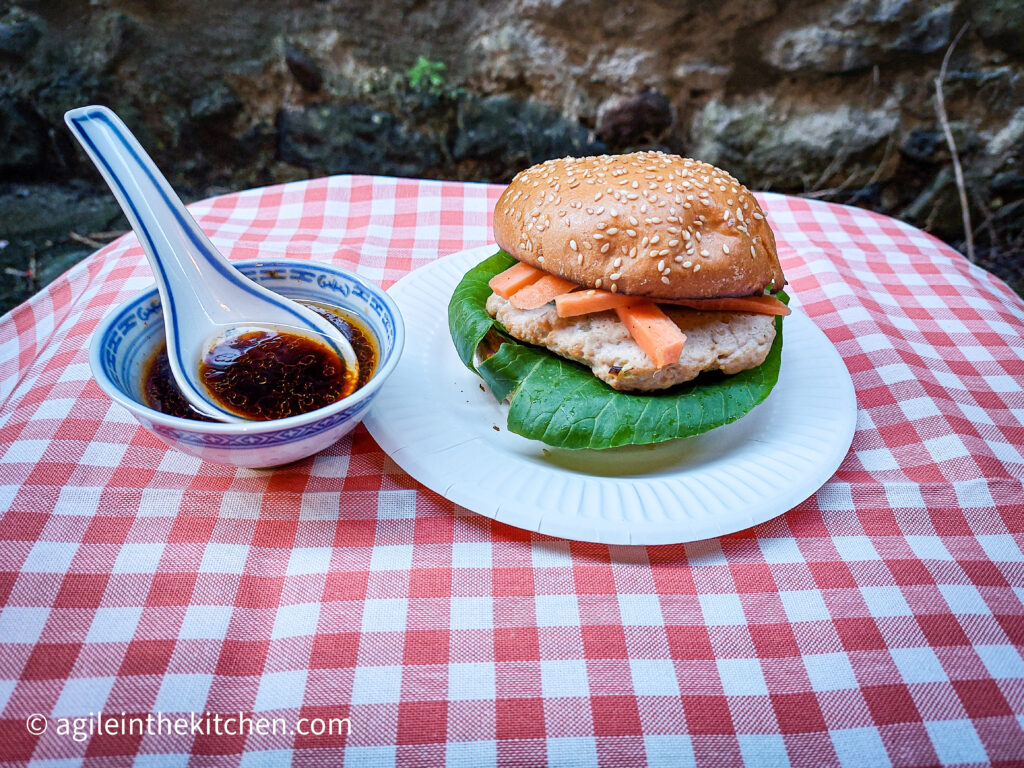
[[435, 418]]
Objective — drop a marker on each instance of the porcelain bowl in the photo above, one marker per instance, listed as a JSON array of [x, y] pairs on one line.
[[127, 338]]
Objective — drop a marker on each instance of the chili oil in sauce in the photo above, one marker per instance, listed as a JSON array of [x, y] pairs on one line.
[[268, 375]]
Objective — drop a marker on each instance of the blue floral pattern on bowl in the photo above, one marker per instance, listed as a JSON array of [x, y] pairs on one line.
[[126, 340]]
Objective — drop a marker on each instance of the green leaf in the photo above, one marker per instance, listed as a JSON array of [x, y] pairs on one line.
[[467, 316], [563, 404]]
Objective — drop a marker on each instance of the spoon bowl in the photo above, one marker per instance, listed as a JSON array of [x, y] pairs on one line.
[[204, 297]]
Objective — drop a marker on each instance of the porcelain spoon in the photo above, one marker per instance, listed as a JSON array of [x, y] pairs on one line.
[[204, 298]]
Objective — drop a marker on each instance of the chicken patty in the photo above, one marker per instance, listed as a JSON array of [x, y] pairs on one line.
[[715, 341]]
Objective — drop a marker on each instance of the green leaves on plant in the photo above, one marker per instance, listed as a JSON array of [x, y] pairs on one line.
[[427, 75]]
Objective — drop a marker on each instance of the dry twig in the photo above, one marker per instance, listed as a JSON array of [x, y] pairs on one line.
[[85, 240], [940, 110]]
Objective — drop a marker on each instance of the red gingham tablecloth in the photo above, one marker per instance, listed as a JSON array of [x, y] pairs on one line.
[[880, 622]]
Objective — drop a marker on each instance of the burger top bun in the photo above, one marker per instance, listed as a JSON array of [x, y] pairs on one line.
[[645, 224]]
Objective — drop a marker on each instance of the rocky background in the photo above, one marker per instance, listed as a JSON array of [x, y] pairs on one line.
[[831, 99]]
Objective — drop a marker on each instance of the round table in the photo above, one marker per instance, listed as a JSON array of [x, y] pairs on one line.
[[335, 611]]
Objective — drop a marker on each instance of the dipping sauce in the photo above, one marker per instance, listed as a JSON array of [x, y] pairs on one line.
[[268, 375]]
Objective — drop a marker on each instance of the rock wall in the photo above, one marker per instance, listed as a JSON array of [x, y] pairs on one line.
[[830, 98]]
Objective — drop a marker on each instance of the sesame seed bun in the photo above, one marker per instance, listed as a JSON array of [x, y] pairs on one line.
[[645, 224]]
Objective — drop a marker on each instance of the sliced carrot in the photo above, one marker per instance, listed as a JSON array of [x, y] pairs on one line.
[[596, 300], [590, 300], [541, 292], [761, 305], [653, 330], [512, 279]]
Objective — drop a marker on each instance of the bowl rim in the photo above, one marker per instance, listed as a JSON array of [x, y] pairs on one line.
[[384, 368]]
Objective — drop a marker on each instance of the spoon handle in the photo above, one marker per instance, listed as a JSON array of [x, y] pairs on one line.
[[202, 295], [179, 252]]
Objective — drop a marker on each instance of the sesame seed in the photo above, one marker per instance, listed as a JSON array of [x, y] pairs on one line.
[[599, 236], [661, 265], [613, 230], [597, 283], [752, 252], [645, 241], [725, 249], [599, 211], [666, 271], [704, 253], [598, 196], [614, 212], [673, 243], [696, 267], [540, 258], [579, 259], [587, 244], [605, 247], [665, 280], [758, 216], [573, 246], [617, 262], [614, 287], [663, 252], [687, 264], [601, 225], [686, 234], [655, 239], [678, 259], [633, 220], [697, 235], [614, 275], [632, 252]]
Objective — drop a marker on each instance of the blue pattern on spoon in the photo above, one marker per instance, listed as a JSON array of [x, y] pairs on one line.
[[202, 294]]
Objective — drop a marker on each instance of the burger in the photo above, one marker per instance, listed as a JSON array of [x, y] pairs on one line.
[[652, 274]]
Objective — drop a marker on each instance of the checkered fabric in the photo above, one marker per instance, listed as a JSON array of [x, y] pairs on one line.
[[878, 623]]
